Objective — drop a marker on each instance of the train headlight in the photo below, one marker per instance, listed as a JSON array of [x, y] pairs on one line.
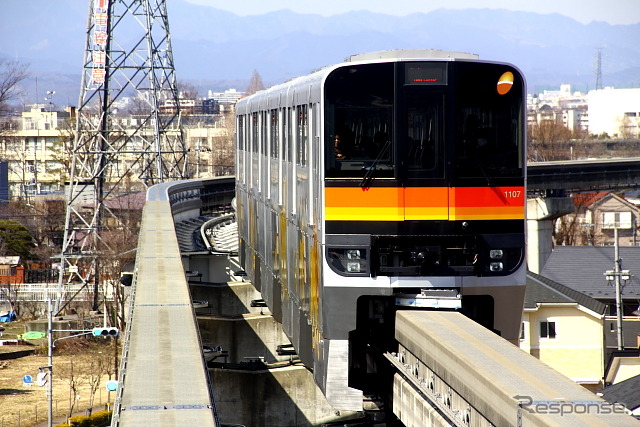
[[347, 261], [496, 266], [496, 253], [353, 267], [353, 254]]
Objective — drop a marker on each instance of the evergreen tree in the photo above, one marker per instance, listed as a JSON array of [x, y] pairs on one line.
[[15, 239]]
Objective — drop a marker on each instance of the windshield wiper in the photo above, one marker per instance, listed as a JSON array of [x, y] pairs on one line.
[[368, 176]]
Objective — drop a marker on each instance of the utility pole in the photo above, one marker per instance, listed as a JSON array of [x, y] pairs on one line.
[[50, 361], [617, 275], [617, 271], [128, 62]]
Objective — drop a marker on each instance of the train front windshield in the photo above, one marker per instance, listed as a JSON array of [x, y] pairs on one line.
[[407, 121]]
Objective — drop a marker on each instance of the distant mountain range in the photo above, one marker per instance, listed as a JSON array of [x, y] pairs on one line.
[[214, 49]]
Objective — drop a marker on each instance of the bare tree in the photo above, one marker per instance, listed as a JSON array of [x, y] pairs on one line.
[[627, 127], [223, 154], [549, 140], [187, 90], [62, 149], [73, 376], [96, 367], [12, 73], [122, 240], [255, 84]]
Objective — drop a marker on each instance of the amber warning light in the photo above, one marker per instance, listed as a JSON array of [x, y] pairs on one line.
[[505, 83]]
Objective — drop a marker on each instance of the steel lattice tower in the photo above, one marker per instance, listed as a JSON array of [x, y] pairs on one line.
[[599, 69], [128, 56]]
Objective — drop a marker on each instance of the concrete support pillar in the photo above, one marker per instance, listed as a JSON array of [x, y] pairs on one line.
[[541, 212]]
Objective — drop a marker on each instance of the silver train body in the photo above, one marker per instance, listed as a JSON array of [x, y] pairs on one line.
[[394, 180]]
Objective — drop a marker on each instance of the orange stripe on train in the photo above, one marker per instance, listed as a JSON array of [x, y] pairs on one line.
[[423, 203]]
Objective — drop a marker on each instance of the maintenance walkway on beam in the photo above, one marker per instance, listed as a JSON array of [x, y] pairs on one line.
[[164, 380]]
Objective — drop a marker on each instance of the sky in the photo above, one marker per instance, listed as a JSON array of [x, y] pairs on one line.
[[583, 11]]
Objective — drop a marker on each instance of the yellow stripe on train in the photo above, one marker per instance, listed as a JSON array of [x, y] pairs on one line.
[[441, 213]]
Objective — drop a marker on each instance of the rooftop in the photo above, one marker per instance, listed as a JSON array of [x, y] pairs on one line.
[[582, 269]]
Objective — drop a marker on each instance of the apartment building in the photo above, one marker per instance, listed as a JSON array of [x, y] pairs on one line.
[[615, 112], [35, 148], [32, 146], [609, 112]]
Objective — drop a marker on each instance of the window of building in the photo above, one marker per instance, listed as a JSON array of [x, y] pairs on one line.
[[621, 220], [547, 329], [522, 336]]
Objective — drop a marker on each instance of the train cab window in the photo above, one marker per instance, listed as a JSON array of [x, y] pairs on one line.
[[489, 131], [358, 117]]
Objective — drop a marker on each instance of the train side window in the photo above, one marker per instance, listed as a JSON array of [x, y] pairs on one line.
[[292, 135], [303, 135], [254, 133], [286, 134], [240, 132], [281, 150], [275, 134], [263, 133]]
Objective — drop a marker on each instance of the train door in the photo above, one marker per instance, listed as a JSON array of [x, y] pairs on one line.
[[422, 153]]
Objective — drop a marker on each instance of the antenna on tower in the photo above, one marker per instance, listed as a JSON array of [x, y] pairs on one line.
[[599, 68], [128, 65]]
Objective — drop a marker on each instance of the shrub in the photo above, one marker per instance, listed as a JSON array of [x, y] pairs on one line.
[[98, 419]]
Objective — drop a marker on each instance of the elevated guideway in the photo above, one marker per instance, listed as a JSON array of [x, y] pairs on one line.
[[453, 371], [163, 376]]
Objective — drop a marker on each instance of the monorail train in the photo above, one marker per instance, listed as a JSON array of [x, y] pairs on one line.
[[394, 180]]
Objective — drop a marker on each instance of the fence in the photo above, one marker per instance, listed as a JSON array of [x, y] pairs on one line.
[[42, 292]]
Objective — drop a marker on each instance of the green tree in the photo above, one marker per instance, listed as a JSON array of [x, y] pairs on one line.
[[15, 239]]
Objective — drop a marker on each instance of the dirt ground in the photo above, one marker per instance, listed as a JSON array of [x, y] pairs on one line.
[[27, 406]]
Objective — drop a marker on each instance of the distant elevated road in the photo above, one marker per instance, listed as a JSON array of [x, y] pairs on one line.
[[583, 175]]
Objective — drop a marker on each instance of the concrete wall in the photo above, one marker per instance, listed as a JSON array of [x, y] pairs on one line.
[[277, 397], [244, 337], [231, 299]]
